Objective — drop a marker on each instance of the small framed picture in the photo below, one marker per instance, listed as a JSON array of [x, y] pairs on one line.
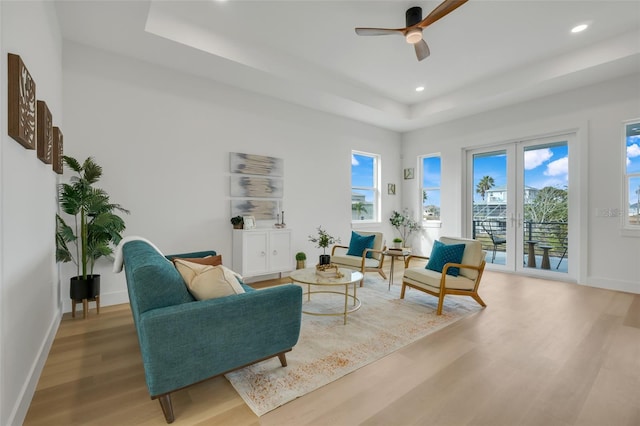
[[408, 173], [44, 134], [249, 222], [391, 188], [21, 95]]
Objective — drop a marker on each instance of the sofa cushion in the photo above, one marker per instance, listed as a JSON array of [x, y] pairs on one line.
[[441, 254], [359, 243], [208, 282]]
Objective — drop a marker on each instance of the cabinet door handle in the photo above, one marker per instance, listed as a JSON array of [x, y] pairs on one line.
[[263, 254], [275, 252]]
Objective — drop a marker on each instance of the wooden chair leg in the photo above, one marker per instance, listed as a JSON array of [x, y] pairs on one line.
[[283, 359], [477, 298], [440, 303], [404, 287], [167, 408], [382, 273]]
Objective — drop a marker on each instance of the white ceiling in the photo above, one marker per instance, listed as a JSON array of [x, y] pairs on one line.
[[484, 55]]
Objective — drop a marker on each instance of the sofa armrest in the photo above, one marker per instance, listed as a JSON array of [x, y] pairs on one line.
[[187, 343]]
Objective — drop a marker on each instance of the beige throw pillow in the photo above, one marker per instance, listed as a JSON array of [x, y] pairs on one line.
[[207, 260], [208, 282]]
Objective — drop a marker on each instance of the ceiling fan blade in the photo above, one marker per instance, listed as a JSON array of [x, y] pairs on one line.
[[422, 50], [379, 31], [446, 7]]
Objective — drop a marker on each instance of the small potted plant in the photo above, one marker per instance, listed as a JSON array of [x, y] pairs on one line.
[[237, 222], [322, 241], [397, 243], [301, 257]]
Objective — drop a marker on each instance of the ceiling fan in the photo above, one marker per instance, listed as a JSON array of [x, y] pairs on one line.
[[415, 24]]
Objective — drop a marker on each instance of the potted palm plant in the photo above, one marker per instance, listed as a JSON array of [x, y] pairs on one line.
[[94, 230]]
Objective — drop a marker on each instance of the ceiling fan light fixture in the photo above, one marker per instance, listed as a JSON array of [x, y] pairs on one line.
[[414, 36]]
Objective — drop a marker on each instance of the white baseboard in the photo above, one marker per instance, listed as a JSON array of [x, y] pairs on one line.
[[21, 408], [610, 284]]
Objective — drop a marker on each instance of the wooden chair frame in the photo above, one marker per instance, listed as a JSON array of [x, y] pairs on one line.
[[443, 281], [363, 267]]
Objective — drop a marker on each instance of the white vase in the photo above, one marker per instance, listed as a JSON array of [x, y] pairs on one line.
[[397, 245]]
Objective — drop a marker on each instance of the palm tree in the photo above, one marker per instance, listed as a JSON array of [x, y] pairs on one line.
[[485, 184], [359, 208]]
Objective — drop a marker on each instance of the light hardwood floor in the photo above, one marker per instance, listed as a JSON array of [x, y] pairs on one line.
[[541, 353]]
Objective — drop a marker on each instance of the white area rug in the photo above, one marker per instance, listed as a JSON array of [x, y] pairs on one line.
[[328, 350]]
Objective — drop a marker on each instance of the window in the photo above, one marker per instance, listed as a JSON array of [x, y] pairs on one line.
[[430, 188], [631, 205], [365, 187]]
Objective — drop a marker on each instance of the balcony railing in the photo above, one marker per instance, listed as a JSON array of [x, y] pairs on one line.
[[552, 234]]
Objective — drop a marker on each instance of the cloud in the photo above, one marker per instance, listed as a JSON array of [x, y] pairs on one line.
[[354, 162], [558, 167], [534, 158], [633, 151]]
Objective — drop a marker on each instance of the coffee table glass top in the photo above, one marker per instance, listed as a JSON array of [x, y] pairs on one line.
[[309, 276]]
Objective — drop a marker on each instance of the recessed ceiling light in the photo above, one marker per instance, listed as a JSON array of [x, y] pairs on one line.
[[579, 28], [419, 88]]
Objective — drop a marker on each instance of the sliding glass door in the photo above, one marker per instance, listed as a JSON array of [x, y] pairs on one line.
[[519, 206]]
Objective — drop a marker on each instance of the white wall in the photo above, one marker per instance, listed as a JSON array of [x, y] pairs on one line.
[[29, 298], [609, 259], [163, 139]]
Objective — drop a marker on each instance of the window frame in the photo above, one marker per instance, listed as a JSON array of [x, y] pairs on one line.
[[375, 189], [429, 223], [628, 228]]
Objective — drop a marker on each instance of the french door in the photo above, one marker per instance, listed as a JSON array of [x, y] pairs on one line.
[[518, 204]]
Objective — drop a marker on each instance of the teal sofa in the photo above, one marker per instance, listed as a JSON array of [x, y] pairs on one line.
[[184, 341]]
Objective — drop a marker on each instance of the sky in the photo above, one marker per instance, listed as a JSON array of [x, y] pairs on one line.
[[546, 165], [633, 165], [361, 170]]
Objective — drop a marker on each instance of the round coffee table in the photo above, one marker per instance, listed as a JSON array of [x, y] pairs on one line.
[[310, 277]]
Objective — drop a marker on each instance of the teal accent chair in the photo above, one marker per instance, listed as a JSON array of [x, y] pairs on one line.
[[184, 341]]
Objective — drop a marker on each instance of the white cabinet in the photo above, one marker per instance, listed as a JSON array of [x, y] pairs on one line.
[[261, 251]]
